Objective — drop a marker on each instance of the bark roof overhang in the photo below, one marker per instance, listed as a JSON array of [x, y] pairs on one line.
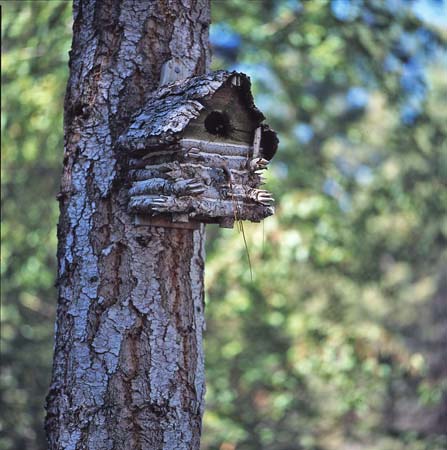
[[169, 110]]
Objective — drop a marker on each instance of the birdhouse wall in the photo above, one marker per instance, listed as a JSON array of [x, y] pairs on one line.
[[241, 123]]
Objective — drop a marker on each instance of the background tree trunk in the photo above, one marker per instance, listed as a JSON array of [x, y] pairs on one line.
[[128, 366]]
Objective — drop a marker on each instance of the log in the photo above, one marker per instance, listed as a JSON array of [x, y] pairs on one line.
[[207, 208], [219, 148]]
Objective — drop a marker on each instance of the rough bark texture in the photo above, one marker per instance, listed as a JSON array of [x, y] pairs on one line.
[[128, 367]]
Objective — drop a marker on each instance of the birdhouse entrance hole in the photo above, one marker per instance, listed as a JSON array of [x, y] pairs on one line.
[[218, 123]]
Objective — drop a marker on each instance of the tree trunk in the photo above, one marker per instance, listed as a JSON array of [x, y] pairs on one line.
[[128, 367]]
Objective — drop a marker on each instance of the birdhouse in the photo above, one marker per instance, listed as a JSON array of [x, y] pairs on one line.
[[196, 152]]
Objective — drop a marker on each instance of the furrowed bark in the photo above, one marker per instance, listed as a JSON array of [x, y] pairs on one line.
[[128, 367]]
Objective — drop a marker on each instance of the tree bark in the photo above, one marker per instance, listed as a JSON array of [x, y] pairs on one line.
[[128, 367]]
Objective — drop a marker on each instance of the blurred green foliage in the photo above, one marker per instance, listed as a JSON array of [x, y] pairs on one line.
[[338, 342], [36, 37]]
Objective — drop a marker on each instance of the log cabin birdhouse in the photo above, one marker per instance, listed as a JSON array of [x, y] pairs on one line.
[[196, 152]]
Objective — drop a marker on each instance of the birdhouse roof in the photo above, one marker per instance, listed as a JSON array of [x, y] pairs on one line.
[[170, 109]]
